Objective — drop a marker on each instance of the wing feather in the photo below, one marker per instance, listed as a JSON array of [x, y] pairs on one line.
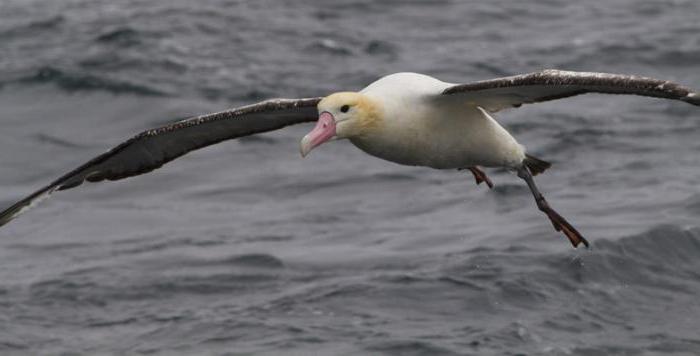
[[153, 148], [551, 84]]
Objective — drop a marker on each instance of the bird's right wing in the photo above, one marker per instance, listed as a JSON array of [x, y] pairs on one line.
[[151, 149], [551, 84]]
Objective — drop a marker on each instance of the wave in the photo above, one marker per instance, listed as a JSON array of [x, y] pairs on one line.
[[231, 275], [666, 257], [409, 347], [34, 27], [72, 81], [124, 36], [57, 141]]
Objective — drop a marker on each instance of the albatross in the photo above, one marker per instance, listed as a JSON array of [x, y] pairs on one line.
[[407, 118]]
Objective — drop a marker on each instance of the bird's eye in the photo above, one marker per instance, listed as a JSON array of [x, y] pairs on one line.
[[345, 108]]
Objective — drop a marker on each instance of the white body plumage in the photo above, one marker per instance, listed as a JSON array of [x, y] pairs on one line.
[[418, 127]]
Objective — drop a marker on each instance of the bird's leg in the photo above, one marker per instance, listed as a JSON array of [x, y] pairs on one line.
[[560, 224], [480, 176]]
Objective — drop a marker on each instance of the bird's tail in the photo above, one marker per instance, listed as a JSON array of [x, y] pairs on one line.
[[535, 165]]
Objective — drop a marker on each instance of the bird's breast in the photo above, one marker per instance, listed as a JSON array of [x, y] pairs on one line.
[[442, 139]]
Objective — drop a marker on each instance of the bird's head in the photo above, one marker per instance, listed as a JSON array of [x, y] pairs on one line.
[[342, 115]]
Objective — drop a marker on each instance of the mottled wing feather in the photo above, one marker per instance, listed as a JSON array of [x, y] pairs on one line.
[[502, 93], [151, 149]]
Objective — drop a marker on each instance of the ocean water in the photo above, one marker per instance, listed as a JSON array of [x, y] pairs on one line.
[[244, 248]]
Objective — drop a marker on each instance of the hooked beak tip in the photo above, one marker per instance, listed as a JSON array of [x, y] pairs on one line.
[[305, 146]]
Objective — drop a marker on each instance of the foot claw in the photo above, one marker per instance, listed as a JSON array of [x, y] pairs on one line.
[[560, 224], [481, 177]]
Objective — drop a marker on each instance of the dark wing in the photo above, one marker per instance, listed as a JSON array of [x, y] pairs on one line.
[[151, 149], [552, 84]]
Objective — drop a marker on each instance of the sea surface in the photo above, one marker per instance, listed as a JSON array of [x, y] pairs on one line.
[[245, 248]]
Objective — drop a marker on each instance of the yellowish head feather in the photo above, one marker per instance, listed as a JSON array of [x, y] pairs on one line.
[[364, 114]]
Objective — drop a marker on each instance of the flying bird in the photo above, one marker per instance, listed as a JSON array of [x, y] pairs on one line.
[[407, 118]]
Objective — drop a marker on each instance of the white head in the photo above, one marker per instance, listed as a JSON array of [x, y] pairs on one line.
[[342, 115]]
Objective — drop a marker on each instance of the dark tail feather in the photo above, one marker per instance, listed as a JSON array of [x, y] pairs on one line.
[[536, 165]]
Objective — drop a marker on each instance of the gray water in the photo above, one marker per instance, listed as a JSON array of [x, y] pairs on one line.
[[244, 248]]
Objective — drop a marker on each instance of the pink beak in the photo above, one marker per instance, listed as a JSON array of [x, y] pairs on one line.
[[324, 131]]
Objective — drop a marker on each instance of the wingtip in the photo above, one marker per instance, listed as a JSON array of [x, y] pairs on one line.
[[10, 214], [25, 204], [692, 98]]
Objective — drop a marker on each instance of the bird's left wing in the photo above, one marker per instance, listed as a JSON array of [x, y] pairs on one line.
[[551, 84], [151, 149]]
